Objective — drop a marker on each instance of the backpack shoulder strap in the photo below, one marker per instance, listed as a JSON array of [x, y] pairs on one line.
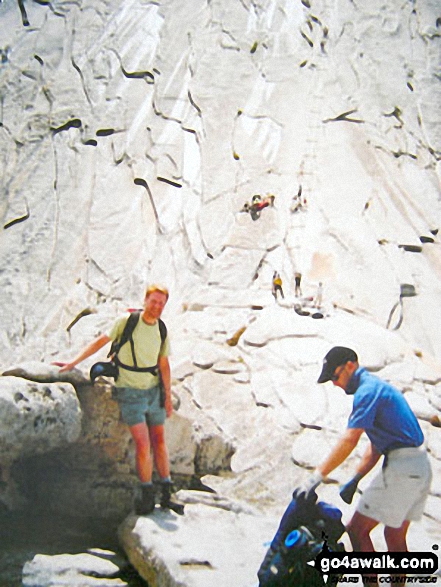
[[126, 335], [162, 330], [131, 323]]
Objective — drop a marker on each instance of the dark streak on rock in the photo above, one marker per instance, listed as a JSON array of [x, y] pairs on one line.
[[91, 143], [193, 103], [74, 123], [18, 220], [307, 39], [24, 16], [344, 118], [85, 312], [39, 59], [143, 183], [105, 132], [436, 154], [148, 75], [426, 239], [169, 181], [140, 181], [398, 154], [396, 113], [196, 563], [411, 248]]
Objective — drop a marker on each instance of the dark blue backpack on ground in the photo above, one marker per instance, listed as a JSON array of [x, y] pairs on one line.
[[305, 528]]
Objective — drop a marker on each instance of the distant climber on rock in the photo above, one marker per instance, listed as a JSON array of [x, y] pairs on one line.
[[318, 300], [298, 281], [296, 203], [296, 206], [277, 285], [257, 205], [261, 205], [397, 495], [142, 390]]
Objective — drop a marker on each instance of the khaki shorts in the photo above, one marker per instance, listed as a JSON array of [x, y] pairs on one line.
[[400, 490]]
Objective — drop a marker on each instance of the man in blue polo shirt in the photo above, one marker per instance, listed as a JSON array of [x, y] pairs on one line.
[[397, 495]]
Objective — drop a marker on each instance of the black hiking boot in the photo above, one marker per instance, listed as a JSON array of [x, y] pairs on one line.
[[166, 499], [145, 503]]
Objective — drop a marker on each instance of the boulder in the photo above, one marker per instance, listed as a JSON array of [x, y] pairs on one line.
[[44, 373], [81, 570], [36, 417], [420, 405]]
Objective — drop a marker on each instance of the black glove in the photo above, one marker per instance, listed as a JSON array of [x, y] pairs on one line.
[[348, 490]]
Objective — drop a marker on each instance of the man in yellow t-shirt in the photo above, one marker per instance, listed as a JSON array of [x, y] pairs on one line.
[[139, 393]]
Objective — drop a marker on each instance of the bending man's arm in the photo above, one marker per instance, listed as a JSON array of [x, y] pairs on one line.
[[164, 367], [341, 451], [90, 350], [368, 461]]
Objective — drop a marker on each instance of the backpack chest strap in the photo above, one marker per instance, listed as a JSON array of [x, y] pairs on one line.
[[153, 370]]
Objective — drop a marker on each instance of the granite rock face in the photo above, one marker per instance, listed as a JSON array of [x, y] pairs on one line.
[[132, 133]]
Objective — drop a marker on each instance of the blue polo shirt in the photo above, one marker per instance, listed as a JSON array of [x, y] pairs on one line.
[[383, 413]]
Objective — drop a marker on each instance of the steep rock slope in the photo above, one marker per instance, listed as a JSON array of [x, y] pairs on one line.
[[132, 133]]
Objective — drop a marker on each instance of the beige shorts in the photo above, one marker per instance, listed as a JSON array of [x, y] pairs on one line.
[[399, 491]]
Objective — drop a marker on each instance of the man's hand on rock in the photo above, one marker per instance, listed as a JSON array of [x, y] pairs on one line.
[[63, 366]]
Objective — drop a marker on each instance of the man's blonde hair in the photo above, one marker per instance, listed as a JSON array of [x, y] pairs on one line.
[[156, 287]]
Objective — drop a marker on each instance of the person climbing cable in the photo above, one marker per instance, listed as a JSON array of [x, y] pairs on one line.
[[143, 392], [298, 280], [277, 285], [397, 495], [318, 300]]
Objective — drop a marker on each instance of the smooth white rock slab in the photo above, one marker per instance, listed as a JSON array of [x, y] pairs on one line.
[[81, 570], [206, 546]]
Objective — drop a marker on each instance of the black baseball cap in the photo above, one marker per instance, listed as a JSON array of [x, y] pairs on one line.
[[338, 355]]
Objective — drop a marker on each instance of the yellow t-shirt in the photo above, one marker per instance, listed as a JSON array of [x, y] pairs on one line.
[[147, 339]]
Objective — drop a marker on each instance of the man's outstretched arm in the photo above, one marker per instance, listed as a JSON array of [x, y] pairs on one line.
[[90, 350]]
